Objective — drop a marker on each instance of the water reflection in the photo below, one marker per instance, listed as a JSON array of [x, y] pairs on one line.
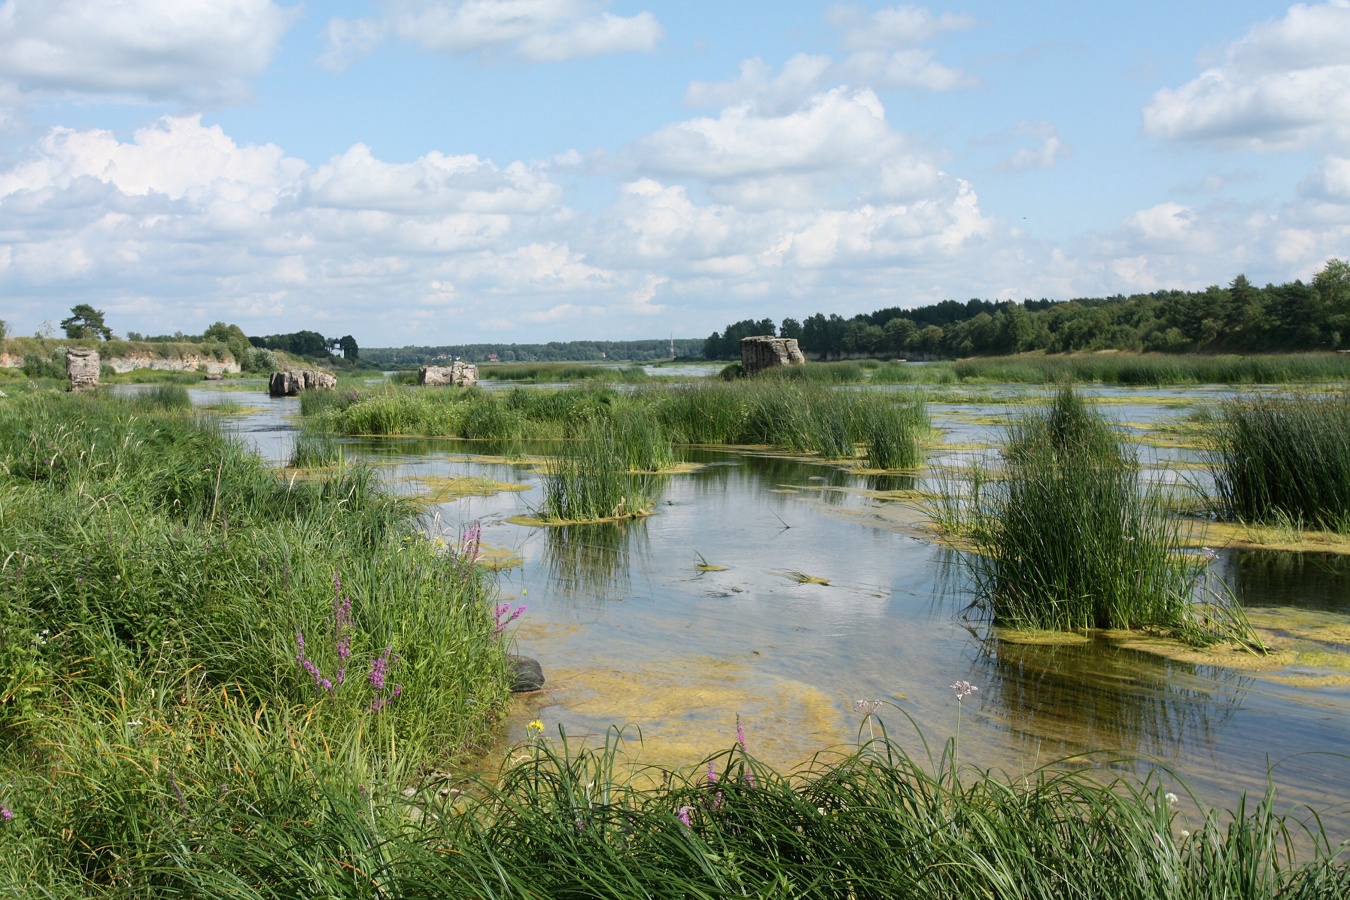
[[1061, 698], [592, 563], [1264, 578]]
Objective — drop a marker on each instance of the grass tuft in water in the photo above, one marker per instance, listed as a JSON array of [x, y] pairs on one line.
[[590, 479], [1285, 460], [1067, 537]]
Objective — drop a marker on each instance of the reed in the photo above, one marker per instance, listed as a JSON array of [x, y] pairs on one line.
[[567, 821], [1284, 460], [891, 428], [314, 450], [640, 440], [1066, 537], [589, 479], [555, 373]]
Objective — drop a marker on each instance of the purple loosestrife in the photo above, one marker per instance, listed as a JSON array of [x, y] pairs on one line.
[[379, 675], [505, 617], [6, 813]]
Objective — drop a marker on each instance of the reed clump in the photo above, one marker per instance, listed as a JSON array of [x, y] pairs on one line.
[[590, 479], [1066, 537], [1284, 460]]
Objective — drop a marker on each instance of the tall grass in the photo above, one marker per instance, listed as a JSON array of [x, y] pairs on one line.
[[1156, 369], [567, 821], [1067, 537], [553, 373], [1285, 459], [162, 595], [590, 479]]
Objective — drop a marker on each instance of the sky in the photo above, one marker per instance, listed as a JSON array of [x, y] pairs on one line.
[[437, 172]]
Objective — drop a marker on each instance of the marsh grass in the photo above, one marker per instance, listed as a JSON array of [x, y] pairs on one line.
[[314, 449], [154, 583], [553, 373], [1284, 460], [577, 821], [1155, 369], [891, 429], [590, 480], [1066, 536]]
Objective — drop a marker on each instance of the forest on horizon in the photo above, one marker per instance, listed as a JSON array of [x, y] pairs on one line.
[[1239, 318]]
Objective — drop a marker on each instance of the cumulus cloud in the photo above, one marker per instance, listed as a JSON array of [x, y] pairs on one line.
[[1285, 84], [883, 56], [185, 49], [533, 30], [1048, 150]]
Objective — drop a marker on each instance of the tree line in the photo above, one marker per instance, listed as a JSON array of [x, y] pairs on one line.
[[1240, 318], [554, 351]]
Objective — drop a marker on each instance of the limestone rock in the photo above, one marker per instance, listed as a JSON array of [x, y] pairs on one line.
[[526, 674], [290, 384], [764, 352], [82, 366], [458, 374]]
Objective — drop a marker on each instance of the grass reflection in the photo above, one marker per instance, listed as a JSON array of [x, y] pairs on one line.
[[593, 562]]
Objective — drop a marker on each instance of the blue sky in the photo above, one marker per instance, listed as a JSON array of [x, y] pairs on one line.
[[452, 171]]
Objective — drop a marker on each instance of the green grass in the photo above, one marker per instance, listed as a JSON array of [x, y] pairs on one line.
[[590, 478], [1156, 369], [554, 373], [275, 819], [1067, 537], [1284, 460], [155, 581], [802, 416]]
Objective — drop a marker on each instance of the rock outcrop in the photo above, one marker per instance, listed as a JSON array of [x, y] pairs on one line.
[[764, 352], [458, 374], [190, 363], [290, 384], [82, 367]]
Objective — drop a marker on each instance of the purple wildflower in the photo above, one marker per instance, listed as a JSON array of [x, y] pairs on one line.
[[505, 616], [6, 813], [712, 774], [963, 690], [740, 733], [379, 669], [683, 815]]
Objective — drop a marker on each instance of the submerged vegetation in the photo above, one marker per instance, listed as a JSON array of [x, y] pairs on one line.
[[1285, 460], [1065, 535]]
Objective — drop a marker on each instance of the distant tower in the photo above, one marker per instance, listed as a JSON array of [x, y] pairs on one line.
[[672, 345]]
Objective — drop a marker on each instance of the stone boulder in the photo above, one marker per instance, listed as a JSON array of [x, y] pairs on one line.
[[82, 368], [526, 674], [290, 384], [764, 352], [458, 374]]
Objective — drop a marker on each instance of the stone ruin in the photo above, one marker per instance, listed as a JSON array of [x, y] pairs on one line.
[[764, 352], [82, 368], [458, 374], [290, 384]]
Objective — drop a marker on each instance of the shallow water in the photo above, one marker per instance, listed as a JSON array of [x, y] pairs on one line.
[[632, 632]]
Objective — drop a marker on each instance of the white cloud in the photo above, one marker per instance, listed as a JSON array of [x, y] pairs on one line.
[[533, 30], [1329, 181], [194, 49], [1285, 84], [1048, 151], [897, 26], [838, 128], [350, 40]]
